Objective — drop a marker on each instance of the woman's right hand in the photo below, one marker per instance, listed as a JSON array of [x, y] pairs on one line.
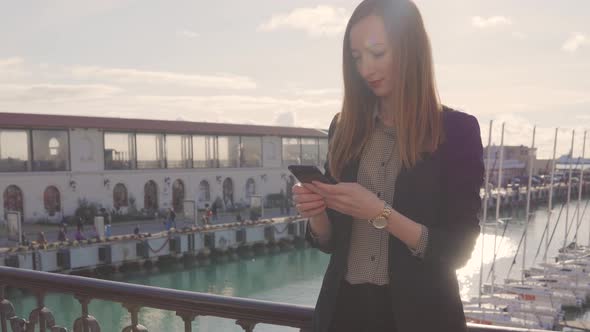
[[307, 203]]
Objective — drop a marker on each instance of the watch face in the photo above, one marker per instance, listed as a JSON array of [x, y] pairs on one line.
[[380, 223]]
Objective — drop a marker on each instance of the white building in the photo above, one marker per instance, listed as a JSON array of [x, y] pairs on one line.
[[48, 163]]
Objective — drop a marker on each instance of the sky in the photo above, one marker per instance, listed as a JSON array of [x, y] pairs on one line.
[[270, 62]]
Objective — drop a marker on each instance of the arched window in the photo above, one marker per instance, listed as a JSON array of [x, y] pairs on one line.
[[51, 200], [228, 192], [53, 146], [204, 191], [250, 187], [150, 195], [13, 199], [178, 195], [120, 196]]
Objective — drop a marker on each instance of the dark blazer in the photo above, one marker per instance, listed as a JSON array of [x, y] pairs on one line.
[[440, 192]]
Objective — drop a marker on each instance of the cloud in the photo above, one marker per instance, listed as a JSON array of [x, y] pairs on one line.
[[129, 75], [237, 103], [317, 22], [35, 93], [575, 41], [519, 35], [319, 92], [187, 33], [490, 22], [11, 62], [313, 113], [12, 68], [111, 102]]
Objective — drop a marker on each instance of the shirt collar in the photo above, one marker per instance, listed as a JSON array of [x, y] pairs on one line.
[[379, 124]]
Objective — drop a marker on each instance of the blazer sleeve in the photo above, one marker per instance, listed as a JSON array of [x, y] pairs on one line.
[[327, 247], [451, 242]]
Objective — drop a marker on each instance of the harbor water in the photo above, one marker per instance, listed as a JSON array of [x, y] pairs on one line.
[[295, 276]]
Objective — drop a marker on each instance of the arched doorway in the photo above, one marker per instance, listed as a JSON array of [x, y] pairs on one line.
[[13, 200], [228, 193], [150, 195], [52, 200], [120, 196], [178, 195]]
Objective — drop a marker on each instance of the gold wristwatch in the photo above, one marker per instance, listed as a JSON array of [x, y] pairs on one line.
[[382, 219]]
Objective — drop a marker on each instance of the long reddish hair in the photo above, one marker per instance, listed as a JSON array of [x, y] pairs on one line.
[[417, 112]]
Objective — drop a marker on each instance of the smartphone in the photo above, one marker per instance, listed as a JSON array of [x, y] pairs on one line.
[[308, 173]]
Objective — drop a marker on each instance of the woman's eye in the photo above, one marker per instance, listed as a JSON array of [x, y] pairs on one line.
[[378, 55]]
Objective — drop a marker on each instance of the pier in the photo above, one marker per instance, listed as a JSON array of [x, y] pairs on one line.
[[124, 251]]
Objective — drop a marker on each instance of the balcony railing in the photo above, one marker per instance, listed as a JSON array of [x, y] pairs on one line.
[[187, 305]]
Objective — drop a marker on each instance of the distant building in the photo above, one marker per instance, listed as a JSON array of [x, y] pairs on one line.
[[563, 164], [516, 161], [50, 162]]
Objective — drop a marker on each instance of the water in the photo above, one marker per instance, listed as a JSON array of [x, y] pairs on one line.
[[292, 277]]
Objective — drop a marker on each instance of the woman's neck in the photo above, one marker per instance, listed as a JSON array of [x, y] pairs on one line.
[[385, 107]]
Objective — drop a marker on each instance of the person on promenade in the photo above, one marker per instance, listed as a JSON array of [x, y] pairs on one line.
[[136, 232], [94, 234], [404, 213], [62, 235], [171, 218], [24, 241], [41, 239], [79, 236], [80, 224], [214, 211], [108, 231], [207, 215], [64, 223]]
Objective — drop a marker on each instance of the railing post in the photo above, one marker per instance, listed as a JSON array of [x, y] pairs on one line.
[[187, 318], [86, 323], [6, 309], [135, 326], [43, 316], [38, 315], [247, 325]]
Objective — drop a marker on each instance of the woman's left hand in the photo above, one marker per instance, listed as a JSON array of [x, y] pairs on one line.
[[349, 198]]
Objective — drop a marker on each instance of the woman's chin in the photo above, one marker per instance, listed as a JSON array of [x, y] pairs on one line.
[[380, 92]]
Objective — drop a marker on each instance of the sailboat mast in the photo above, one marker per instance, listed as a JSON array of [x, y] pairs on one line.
[[580, 182], [528, 202], [550, 201], [569, 191], [485, 210], [498, 201]]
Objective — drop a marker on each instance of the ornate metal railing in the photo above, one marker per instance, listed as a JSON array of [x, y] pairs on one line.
[[187, 305]]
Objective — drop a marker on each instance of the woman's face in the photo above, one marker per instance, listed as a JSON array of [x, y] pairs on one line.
[[371, 52]]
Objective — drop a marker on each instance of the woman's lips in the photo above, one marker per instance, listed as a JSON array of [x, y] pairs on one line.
[[376, 83]]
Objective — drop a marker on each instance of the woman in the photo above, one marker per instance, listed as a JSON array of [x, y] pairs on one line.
[[403, 216]]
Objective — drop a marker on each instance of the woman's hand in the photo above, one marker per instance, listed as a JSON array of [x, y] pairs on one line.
[[308, 203], [349, 198]]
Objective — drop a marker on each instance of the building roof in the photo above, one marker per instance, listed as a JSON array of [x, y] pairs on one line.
[[566, 159], [48, 121], [506, 164]]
